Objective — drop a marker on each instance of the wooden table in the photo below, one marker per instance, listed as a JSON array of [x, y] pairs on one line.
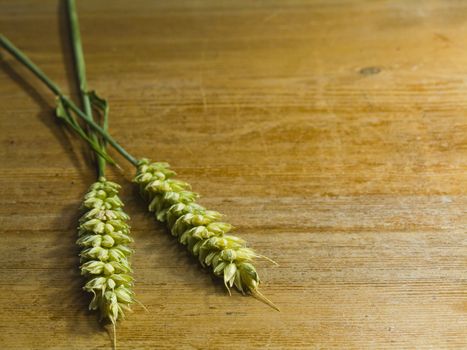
[[333, 135]]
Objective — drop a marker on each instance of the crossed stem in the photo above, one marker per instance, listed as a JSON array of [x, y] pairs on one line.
[[23, 59]]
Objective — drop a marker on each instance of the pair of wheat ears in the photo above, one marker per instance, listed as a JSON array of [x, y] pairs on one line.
[[104, 232]]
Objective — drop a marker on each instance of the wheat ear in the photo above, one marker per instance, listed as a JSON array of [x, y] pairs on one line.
[[200, 230], [104, 235]]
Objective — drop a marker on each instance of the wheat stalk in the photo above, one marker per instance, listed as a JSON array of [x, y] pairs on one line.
[[104, 235], [200, 230]]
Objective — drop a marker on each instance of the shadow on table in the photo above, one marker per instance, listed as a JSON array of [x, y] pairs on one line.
[[66, 283], [46, 115]]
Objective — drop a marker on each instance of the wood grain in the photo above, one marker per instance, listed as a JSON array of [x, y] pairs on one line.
[[331, 133]]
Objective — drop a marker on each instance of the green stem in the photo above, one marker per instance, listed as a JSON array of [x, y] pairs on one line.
[[81, 73], [8, 45], [71, 122], [12, 49], [101, 131]]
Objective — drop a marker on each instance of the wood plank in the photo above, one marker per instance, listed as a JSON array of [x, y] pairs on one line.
[[331, 133]]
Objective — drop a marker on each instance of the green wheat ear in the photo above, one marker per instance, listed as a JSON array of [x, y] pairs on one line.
[[104, 235], [199, 229]]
